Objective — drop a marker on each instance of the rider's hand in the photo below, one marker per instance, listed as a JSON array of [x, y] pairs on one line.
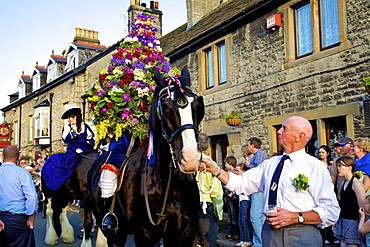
[[79, 150]]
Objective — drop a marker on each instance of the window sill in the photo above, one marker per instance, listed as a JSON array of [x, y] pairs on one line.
[[317, 55]]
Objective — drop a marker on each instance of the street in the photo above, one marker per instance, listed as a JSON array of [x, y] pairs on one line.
[[40, 229]]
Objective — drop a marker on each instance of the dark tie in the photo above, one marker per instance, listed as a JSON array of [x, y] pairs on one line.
[[275, 181]]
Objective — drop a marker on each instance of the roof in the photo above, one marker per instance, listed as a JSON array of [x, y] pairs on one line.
[[59, 59], [26, 79], [14, 94], [41, 69], [82, 44], [44, 103], [219, 22]]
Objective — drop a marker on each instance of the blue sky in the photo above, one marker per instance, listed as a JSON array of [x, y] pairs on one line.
[[30, 30]]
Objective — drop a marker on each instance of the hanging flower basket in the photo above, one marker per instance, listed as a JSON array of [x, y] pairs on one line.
[[233, 121], [367, 88]]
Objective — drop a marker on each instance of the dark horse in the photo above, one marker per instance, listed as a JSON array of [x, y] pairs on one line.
[[57, 203], [160, 200]]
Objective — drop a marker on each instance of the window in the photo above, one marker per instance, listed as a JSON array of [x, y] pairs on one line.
[[71, 60], [51, 70], [329, 22], [15, 133], [30, 129], [209, 68], [214, 64], [222, 63], [41, 122], [36, 82], [304, 30], [314, 29], [22, 90]]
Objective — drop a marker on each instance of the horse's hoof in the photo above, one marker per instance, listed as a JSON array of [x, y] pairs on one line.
[[67, 241]]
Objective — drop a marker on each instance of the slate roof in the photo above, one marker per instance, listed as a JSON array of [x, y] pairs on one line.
[[232, 12], [26, 79], [42, 69], [59, 59], [14, 94]]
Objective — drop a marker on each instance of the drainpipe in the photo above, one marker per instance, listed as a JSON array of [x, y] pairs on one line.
[[51, 120], [84, 97], [19, 127]]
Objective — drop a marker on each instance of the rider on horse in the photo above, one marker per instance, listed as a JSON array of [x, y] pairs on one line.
[[79, 138]]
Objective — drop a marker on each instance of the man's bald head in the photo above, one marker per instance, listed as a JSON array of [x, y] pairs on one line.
[[294, 134], [11, 154], [302, 125]]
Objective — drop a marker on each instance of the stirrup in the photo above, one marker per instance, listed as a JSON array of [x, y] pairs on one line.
[[112, 223]]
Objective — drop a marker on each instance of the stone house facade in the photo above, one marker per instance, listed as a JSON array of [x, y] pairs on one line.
[[270, 74]]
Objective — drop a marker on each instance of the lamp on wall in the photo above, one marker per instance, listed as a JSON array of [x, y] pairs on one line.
[[14, 109]]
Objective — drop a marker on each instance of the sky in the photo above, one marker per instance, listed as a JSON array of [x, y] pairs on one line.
[[30, 30]]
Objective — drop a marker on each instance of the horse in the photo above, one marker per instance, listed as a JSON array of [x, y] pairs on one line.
[[159, 200], [58, 201]]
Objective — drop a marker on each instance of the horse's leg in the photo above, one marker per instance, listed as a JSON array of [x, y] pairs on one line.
[[101, 240], [51, 237], [67, 230], [86, 241]]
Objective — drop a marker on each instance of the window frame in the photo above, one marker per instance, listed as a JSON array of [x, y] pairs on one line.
[[40, 121], [291, 58], [216, 63]]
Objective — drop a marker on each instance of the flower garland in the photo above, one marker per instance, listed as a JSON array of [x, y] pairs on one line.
[[121, 96]]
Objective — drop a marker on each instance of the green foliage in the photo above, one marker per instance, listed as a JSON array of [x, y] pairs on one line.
[[233, 114], [301, 182], [365, 81], [26, 157]]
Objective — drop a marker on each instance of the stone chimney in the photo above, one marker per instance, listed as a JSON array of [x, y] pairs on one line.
[[136, 9], [197, 9], [85, 35]]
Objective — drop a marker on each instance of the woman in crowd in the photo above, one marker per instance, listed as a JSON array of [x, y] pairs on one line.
[[232, 203], [79, 138], [325, 155], [364, 227], [245, 224], [361, 150], [352, 198]]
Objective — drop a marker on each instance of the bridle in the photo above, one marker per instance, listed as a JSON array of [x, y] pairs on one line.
[[181, 103]]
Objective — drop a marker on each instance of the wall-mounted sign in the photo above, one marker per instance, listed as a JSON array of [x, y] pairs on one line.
[[4, 131], [273, 21]]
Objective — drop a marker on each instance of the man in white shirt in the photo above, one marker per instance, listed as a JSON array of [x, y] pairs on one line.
[[298, 211]]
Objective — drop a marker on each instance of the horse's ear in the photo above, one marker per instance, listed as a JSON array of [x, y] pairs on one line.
[[158, 78], [185, 76]]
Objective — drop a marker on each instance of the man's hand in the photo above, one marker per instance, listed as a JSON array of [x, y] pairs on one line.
[[31, 220], [281, 218], [2, 225], [78, 150]]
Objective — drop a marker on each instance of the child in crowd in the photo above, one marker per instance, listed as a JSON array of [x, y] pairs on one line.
[[232, 203], [364, 227], [245, 225], [352, 198]]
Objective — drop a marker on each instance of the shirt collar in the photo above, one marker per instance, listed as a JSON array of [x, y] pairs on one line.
[[8, 164], [297, 155]]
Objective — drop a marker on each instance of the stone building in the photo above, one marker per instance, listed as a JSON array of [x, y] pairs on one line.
[[270, 60], [34, 113]]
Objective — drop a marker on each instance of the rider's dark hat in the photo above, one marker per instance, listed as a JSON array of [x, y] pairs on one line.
[[70, 112]]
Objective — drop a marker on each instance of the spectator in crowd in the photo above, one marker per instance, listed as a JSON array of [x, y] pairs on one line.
[[342, 148], [364, 227], [325, 156], [352, 198], [299, 209], [232, 203], [361, 150], [245, 225], [211, 203], [257, 217], [247, 155], [18, 202]]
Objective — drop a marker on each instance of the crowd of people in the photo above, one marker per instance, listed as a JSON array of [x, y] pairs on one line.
[[305, 200], [290, 199]]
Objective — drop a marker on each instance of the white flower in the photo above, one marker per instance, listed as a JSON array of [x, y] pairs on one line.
[[150, 44], [139, 75], [157, 41], [127, 61], [142, 92], [159, 49], [117, 71]]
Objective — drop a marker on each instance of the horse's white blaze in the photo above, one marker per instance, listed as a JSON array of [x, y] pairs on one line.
[[67, 229], [101, 240], [190, 154], [51, 237]]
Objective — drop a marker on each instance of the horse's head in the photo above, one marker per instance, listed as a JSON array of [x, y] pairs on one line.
[[179, 112]]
